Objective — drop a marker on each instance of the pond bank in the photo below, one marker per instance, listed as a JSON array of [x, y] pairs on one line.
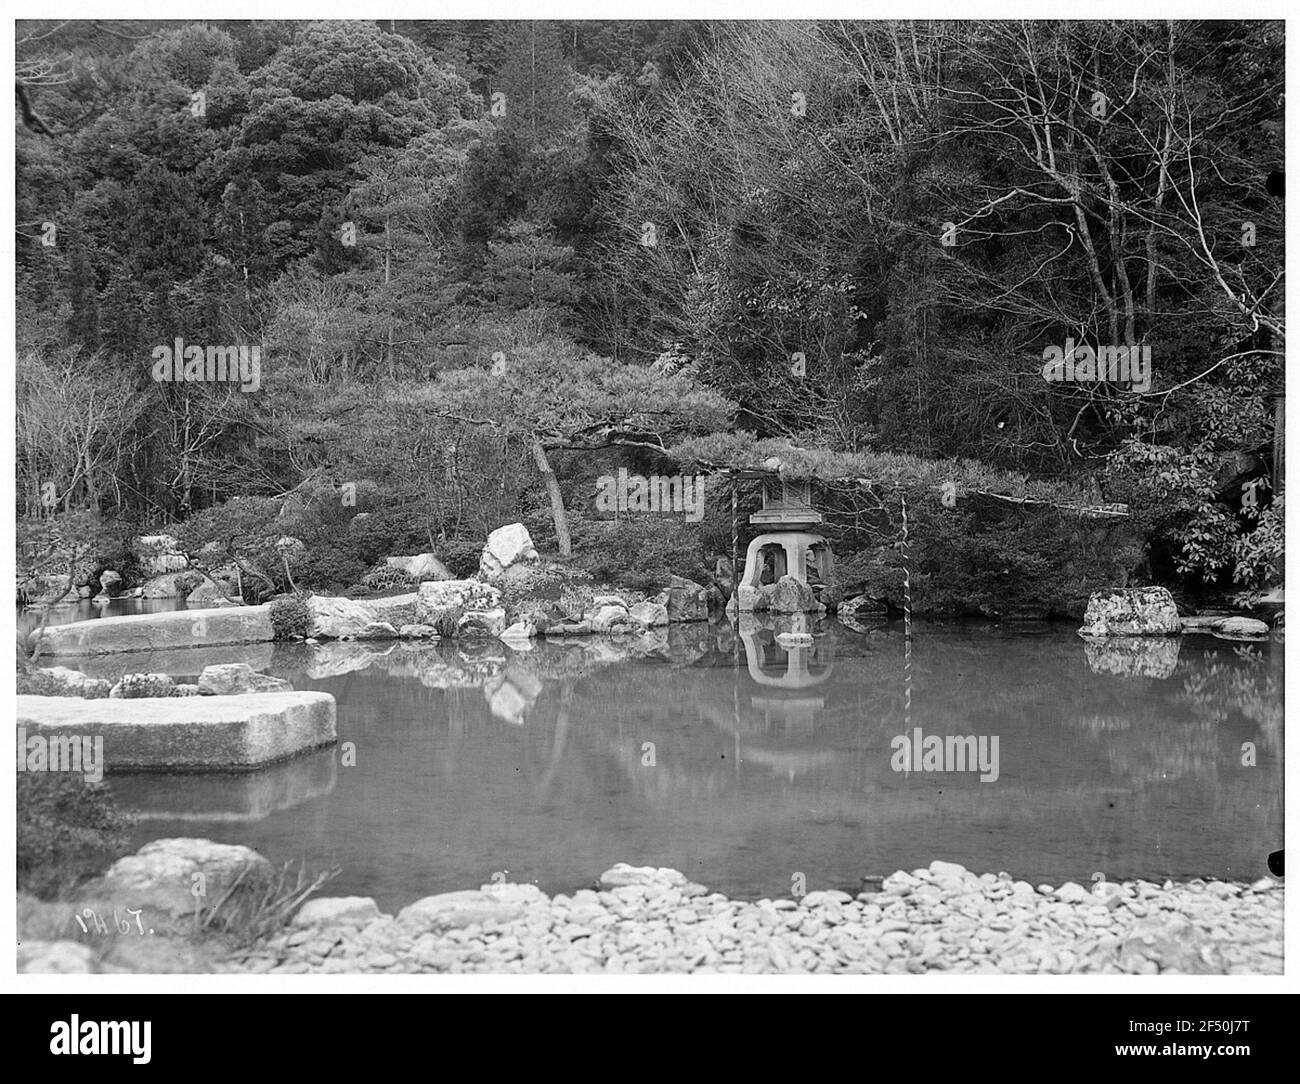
[[943, 918]]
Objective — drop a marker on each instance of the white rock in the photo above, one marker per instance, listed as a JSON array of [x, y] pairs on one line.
[[1246, 628], [227, 679], [420, 566], [1070, 892], [504, 547], [623, 874], [336, 911], [649, 614], [900, 883], [162, 874], [487, 622], [824, 898], [605, 618], [336, 618], [520, 632], [55, 958]]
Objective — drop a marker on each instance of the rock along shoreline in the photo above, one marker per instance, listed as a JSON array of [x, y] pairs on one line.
[[940, 919]]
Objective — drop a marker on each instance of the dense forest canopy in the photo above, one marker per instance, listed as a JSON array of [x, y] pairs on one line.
[[476, 257]]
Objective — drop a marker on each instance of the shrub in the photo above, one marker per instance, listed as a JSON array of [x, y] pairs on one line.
[[386, 578], [50, 546], [1260, 555], [68, 830], [291, 618], [447, 622], [331, 566], [986, 558], [640, 550], [535, 583], [461, 557], [388, 531]]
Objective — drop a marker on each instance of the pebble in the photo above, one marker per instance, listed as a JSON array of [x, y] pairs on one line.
[[943, 919]]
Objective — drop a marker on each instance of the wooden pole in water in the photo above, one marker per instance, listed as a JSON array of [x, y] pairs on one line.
[[735, 543], [907, 625], [907, 575]]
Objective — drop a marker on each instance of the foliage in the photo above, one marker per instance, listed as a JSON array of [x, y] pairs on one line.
[[82, 541], [243, 530], [447, 622], [641, 551], [462, 303], [68, 830], [461, 557], [1260, 554], [533, 583], [986, 558], [291, 618]]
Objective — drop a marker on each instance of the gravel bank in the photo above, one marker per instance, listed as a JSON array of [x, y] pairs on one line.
[[944, 918]]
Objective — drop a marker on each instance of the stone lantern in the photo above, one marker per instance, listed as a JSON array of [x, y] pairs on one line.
[[785, 548]]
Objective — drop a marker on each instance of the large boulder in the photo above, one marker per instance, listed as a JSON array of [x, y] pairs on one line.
[[609, 618], [684, 600], [349, 618], [1131, 611], [237, 677], [110, 582], [170, 585], [209, 594], [743, 600], [482, 622], [791, 596], [439, 597], [1226, 626], [1242, 628], [504, 547], [649, 615], [60, 681], [421, 566], [180, 876], [863, 606]]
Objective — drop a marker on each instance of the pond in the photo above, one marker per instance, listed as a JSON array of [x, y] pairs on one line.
[[744, 764]]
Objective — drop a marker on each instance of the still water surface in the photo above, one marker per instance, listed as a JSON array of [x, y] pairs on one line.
[[1124, 759]]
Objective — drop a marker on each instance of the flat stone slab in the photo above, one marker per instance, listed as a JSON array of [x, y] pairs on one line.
[[180, 663], [159, 632], [191, 733]]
